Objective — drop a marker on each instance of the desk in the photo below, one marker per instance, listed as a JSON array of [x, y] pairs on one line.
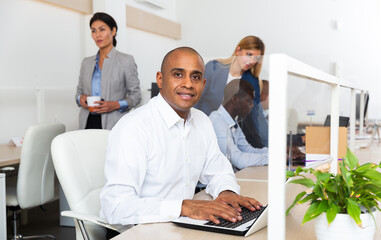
[[256, 189], [253, 173], [9, 155]]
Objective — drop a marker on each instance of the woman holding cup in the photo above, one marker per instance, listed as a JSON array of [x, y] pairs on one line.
[[108, 82]]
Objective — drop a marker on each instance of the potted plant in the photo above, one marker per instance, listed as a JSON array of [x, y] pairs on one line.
[[351, 194]]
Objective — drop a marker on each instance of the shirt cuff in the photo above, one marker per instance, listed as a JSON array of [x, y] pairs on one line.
[[123, 105], [171, 209], [79, 96]]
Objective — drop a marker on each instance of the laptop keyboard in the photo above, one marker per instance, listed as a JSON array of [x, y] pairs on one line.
[[246, 214]]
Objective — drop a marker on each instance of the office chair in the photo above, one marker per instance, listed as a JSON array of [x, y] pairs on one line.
[[79, 159], [35, 183]]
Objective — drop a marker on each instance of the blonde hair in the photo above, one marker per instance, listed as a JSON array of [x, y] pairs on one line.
[[249, 42]]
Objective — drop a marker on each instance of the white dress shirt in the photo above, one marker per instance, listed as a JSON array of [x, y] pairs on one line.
[[154, 161], [233, 142]]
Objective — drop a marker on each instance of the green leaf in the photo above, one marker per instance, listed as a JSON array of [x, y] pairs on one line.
[[318, 189], [331, 186], [300, 169], [372, 175], [346, 176], [350, 159], [313, 211], [364, 167], [323, 176], [306, 182], [298, 197], [311, 196], [289, 174], [331, 212], [354, 211], [323, 206]]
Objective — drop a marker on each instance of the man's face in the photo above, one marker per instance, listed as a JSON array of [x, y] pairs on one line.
[[182, 81], [245, 104]]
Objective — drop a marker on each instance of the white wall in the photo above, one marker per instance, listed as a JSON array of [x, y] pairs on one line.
[[305, 30], [41, 45], [148, 49]]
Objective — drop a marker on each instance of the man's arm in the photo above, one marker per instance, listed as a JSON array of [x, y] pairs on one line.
[[242, 154], [221, 184]]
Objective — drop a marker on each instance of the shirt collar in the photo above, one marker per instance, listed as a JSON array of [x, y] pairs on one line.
[[226, 116], [168, 114], [109, 55]]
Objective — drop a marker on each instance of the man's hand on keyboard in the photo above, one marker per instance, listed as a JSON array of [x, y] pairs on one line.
[[209, 210], [236, 201]]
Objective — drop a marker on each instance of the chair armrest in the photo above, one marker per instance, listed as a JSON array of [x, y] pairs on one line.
[[95, 220]]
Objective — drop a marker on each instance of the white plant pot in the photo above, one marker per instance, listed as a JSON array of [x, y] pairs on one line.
[[344, 227]]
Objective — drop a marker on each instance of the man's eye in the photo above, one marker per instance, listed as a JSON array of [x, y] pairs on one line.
[[177, 74], [196, 77], [249, 54]]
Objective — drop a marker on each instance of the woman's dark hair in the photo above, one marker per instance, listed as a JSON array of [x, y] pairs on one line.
[[104, 17]]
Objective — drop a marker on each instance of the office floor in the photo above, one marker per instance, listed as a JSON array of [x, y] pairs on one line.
[[45, 222]]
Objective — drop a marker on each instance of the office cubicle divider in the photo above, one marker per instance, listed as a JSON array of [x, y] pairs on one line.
[[280, 68]]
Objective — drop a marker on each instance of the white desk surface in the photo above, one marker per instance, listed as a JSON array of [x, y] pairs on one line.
[[256, 189], [9, 155], [253, 184], [253, 173]]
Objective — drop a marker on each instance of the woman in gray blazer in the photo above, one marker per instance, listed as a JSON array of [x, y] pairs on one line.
[[109, 74]]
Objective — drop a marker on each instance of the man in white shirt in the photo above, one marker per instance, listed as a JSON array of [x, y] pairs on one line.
[[157, 154], [238, 101]]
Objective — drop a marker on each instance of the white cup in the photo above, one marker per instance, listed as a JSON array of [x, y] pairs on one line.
[[90, 102]]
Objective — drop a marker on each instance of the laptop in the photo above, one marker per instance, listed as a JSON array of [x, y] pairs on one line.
[[251, 221]]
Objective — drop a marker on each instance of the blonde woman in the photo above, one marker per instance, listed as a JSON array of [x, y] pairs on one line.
[[245, 63]]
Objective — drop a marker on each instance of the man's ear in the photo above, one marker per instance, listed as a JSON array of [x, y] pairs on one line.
[[159, 79]]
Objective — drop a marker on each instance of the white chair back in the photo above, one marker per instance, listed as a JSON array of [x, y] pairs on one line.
[[36, 179], [79, 159]]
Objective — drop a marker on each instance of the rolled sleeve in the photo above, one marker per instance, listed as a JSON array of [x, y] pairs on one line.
[[123, 105]]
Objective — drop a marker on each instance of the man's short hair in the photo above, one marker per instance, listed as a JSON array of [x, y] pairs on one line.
[[239, 88], [186, 49]]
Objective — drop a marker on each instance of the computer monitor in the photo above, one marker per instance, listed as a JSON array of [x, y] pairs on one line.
[[366, 100], [343, 121]]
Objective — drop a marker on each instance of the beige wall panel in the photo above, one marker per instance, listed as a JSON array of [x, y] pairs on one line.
[[84, 6], [145, 21]]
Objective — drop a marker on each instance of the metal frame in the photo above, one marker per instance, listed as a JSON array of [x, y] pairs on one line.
[[281, 66]]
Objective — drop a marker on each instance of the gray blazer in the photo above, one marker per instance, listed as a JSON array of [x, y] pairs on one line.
[[119, 80], [216, 75]]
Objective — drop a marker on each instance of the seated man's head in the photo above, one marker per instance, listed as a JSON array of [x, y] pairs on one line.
[[238, 98], [181, 79]]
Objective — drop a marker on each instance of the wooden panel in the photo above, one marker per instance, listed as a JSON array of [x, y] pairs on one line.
[[84, 6], [145, 21], [318, 140]]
